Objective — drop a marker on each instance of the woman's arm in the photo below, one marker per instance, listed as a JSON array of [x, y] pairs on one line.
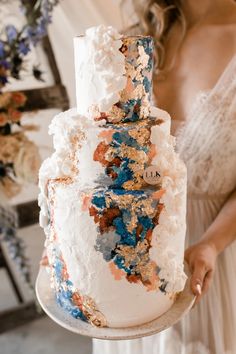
[[222, 231], [202, 256]]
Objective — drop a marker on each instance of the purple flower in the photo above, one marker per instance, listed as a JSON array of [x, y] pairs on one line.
[[2, 51], [30, 34], [11, 33], [46, 9], [4, 64], [18, 42], [23, 47], [3, 81], [41, 28]]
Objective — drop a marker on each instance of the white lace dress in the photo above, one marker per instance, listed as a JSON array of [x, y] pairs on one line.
[[207, 144]]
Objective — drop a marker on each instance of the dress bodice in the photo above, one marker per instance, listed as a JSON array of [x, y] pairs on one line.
[[206, 141]]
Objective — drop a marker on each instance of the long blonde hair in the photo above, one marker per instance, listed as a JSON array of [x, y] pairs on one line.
[[155, 18]]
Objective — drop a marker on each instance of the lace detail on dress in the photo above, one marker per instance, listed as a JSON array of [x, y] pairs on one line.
[[207, 140], [199, 100]]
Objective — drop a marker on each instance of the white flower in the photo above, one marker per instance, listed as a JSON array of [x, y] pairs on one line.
[[27, 162]]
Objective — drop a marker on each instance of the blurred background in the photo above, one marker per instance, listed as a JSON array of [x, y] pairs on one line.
[[36, 82]]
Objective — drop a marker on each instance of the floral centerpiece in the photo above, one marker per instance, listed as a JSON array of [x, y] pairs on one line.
[[15, 43], [19, 157]]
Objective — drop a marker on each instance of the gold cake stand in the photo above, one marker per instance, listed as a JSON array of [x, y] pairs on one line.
[[46, 298]]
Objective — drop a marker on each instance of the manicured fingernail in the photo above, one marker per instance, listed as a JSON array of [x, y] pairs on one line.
[[199, 289]]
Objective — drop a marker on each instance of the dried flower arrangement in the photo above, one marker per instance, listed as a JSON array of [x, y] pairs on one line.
[[15, 43], [19, 157]]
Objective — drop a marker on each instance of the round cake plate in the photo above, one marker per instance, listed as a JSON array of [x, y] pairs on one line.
[[46, 298]]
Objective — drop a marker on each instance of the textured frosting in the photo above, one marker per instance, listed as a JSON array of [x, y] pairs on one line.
[[99, 69], [112, 237], [62, 171], [76, 140], [113, 280], [113, 75], [115, 154]]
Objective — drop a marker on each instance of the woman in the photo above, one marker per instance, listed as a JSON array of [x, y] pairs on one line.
[[196, 84]]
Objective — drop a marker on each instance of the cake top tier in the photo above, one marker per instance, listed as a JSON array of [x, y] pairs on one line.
[[113, 75]]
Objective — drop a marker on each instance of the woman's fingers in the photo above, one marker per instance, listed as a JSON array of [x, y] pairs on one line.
[[207, 281], [197, 278], [201, 259], [200, 282]]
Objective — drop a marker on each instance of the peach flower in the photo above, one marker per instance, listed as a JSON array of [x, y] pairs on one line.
[[10, 144], [27, 162], [14, 115], [18, 99], [5, 99], [3, 119]]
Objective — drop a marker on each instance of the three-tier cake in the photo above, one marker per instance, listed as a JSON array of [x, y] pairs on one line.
[[113, 194]]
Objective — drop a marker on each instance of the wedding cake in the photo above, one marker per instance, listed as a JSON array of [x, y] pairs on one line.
[[113, 194]]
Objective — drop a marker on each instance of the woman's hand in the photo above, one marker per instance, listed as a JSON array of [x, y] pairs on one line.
[[201, 259]]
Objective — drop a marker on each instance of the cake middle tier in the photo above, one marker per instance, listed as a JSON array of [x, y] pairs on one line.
[[115, 155]]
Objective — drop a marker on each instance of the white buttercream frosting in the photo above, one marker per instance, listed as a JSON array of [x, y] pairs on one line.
[[58, 165], [99, 69], [169, 234]]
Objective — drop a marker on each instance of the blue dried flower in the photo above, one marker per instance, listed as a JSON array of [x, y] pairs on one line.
[[30, 34], [19, 41], [41, 29], [4, 64], [23, 47], [2, 51], [11, 33], [46, 9]]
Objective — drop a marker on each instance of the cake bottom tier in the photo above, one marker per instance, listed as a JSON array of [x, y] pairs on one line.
[[100, 245]]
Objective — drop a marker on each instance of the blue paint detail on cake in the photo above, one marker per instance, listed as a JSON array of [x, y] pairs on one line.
[[106, 244], [66, 304], [133, 242], [123, 137], [64, 290], [119, 166], [100, 201], [120, 262], [126, 238], [148, 46], [124, 173], [58, 269], [131, 107], [69, 283], [146, 84]]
